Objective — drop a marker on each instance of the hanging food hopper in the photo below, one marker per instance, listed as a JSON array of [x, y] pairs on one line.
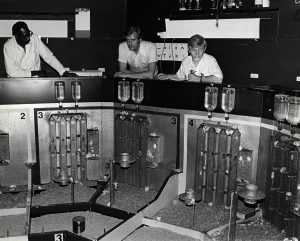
[[125, 160], [123, 94], [251, 194], [210, 99], [137, 93], [280, 109], [228, 100], [76, 91], [153, 158], [59, 90], [293, 115], [189, 197]]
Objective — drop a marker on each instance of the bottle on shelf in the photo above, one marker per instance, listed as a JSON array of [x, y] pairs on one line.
[[231, 4], [280, 109], [182, 5], [266, 3], [239, 3], [258, 3], [210, 99]]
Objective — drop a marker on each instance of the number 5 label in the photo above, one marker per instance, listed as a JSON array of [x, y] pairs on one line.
[[59, 237]]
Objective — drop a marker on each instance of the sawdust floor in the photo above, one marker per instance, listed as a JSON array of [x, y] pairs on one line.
[[131, 199]]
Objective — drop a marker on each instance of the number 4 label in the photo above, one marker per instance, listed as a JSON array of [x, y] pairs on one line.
[[59, 237]]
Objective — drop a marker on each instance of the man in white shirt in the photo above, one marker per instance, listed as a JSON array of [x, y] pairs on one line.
[[198, 66], [137, 58], [22, 54]]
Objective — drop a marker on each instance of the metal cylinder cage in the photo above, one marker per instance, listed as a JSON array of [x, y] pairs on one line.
[[216, 163], [68, 146], [283, 195]]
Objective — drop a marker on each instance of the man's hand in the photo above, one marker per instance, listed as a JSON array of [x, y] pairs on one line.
[[69, 74], [162, 76], [121, 75], [194, 77]]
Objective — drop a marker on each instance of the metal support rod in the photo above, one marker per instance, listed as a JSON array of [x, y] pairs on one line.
[[232, 218], [73, 147], [215, 168], [112, 188], [227, 170], [204, 167], [63, 180], [29, 197], [139, 154], [52, 148], [194, 212], [83, 137], [72, 189]]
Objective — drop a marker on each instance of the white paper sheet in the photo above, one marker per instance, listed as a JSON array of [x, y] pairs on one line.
[[244, 28], [43, 28]]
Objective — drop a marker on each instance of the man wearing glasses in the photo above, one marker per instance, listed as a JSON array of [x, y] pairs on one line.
[[22, 54], [137, 58], [198, 66]]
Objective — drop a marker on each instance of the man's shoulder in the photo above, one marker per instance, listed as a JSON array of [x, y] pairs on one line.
[[9, 42], [148, 44], [123, 47], [123, 44], [208, 57], [187, 59]]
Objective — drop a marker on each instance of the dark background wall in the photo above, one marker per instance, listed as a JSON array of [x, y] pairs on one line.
[[108, 21], [275, 56]]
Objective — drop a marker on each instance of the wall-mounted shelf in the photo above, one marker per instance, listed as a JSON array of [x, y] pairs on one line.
[[224, 13]]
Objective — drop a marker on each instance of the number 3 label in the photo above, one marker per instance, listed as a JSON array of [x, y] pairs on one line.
[[58, 237]]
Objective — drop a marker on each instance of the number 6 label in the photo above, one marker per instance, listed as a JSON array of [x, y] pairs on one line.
[[58, 237]]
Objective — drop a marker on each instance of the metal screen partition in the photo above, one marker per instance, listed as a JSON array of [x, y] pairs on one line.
[[131, 135], [283, 200], [216, 164], [68, 146]]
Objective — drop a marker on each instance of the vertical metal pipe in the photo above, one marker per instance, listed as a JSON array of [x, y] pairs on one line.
[[72, 189], [63, 179], [227, 170], [73, 147], [68, 144], [132, 149], [232, 219], [57, 145], [216, 163], [143, 151], [112, 187], [200, 153], [28, 200], [234, 150], [221, 167], [83, 137], [197, 173], [210, 165], [52, 147], [138, 152], [78, 149], [204, 167], [205, 160]]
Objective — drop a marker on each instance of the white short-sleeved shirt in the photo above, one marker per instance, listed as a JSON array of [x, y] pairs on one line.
[[207, 66], [146, 54], [20, 63]]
